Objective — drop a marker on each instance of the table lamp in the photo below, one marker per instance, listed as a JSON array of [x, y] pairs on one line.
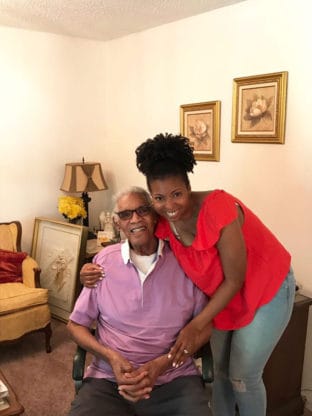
[[84, 177]]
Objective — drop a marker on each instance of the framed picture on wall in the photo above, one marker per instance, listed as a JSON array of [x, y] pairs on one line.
[[200, 123], [259, 108], [59, 248]]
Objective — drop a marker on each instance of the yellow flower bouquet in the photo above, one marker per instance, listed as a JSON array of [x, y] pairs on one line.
[[71, 207]]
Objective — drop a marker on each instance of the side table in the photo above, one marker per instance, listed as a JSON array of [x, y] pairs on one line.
[[283, 372], [15, 407], [92, 249]]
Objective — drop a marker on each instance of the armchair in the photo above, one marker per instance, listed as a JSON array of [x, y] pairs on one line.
[[204, 354], [23, 304]]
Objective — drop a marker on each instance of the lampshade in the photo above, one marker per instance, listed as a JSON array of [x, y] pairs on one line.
[[83, 177]]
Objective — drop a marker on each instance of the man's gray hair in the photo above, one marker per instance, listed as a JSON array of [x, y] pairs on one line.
[[131, 190]]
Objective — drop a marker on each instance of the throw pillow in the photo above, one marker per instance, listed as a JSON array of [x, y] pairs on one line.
[[11, 266]]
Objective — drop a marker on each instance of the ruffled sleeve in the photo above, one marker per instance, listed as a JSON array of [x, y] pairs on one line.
[[218, 210]]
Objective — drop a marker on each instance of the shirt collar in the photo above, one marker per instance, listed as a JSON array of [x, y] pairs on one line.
[[125, 250]]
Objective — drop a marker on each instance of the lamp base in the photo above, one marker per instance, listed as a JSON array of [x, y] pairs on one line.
[[86, 199]]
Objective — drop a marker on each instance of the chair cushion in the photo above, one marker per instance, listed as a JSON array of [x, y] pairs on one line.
[[15, 325], [11, 266], [17, 296]]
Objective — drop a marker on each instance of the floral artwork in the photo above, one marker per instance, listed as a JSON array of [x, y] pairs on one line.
[[61, 268], [200, 123], [258, 110], [199, 126], [59, 249], [259, 106]]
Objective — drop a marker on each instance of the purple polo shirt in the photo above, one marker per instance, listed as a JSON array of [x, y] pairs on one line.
[[140, 321]]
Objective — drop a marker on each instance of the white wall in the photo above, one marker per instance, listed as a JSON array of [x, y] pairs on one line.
[[193, 60], [51, 112], [150, 74], [64, 98]]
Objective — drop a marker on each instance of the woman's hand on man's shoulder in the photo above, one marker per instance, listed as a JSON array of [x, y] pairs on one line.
[[90, 274]]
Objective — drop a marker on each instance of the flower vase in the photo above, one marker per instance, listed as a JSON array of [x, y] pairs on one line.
[[75, 220]]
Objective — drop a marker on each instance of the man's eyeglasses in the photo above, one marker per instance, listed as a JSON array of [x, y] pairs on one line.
[[140, 211]]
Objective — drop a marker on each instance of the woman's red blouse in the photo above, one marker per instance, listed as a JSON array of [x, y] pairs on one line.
[[268, 262]]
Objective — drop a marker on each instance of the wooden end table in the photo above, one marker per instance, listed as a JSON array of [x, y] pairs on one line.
[[15, 407], [282, 375]]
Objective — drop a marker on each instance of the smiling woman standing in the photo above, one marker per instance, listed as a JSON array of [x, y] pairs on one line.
[[235, 259]]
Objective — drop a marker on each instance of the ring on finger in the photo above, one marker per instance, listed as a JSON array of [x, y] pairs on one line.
[[185, 351]]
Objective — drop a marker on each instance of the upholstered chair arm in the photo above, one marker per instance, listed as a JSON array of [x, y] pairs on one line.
[[78, 367], [79, 363], [206, 363], [31, 272]]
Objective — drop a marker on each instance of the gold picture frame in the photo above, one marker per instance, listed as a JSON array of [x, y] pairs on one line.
[[200, 123], [59, 248], [259, 108]]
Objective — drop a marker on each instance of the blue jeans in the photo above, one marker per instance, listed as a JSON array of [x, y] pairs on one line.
[[240, 356]]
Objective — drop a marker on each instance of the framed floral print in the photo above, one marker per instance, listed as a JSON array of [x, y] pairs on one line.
[[200, 123], [59, 248], [259, 108]]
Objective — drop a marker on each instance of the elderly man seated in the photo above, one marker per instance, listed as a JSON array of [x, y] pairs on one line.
[[140, 307]]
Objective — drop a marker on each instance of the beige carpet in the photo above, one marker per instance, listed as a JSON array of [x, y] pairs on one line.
[[42, 381]]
